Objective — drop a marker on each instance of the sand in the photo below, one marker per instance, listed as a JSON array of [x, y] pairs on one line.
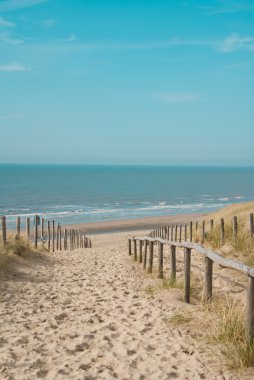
[[87, 314], [136, 224]]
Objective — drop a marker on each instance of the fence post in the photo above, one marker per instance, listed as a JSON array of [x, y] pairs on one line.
[[53, 236], [251, 225], [60, 238], [208, 288], [187, 267], [145, 254], [129, 246], [203, 232], [42, 231], [27, 230], [65, 239], [250, 308], [150, 267], [49, 235], [176, 233], [35, 231], [18, 228], [190, 230], [185, 232], [235, 227], [222, 231], [196, 226], [211, 225], [57, 236], [180, 233], [135, 250], [42, 228], [173, 263], [3, 220], [140, 251], [160, 266]]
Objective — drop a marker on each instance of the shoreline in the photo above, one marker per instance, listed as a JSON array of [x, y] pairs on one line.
[[136, 224]]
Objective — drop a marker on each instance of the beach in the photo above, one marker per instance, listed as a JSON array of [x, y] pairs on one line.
[[96, 314], [84, 315], [137, 224]]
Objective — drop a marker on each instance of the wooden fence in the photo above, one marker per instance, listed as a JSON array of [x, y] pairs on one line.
[[199, 230], [169, 236], [48, 234]]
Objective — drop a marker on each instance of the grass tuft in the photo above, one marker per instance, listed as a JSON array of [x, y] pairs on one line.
[[231, 332], [179, 319]]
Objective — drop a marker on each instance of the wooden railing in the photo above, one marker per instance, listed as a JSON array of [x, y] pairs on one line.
[[146, 255], [193, 228], [48, 233]]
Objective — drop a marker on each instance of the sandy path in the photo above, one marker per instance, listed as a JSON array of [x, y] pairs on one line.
[[84, 315]]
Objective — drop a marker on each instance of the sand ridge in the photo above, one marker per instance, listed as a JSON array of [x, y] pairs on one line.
[[84, 315]]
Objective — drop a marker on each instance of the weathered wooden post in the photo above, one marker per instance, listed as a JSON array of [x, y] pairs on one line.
[[42, 229], [4, 239], [196, 226], [176, 233], [36, 231], [211, 225], [203, 232], [190, 230], [70, 239], [57, 236], [173, 263], [251, 226], [140, 251], [18, 228], [27, 230], [150, 267], [145, 254], [135, 250], [60, 238], [53, 235], [187, 274], [250, 308], [49, 237], [180, 233], [129, 241], [235, 227], [160, 262], [185, 232], [222, 231], [65, 239], [208, 288], [172, 233]]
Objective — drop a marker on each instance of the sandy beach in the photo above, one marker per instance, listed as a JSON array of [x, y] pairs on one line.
[[89, 314], [146, 223]]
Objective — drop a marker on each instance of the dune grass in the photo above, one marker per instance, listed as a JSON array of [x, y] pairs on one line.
[[15, 247], [231, 333], [241, 247]]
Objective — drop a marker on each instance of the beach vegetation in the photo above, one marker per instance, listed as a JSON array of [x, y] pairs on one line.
[[231, 333], [179, 318]]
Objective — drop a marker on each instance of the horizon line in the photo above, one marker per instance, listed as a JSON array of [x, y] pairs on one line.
[[123, 165]]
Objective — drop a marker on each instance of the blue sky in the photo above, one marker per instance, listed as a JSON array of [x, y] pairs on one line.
[[127, 82]]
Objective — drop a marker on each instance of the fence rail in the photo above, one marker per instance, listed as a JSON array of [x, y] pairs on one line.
[[50, 235], [210, 258]]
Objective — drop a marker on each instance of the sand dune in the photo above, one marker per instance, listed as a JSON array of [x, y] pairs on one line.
[[85, 315]]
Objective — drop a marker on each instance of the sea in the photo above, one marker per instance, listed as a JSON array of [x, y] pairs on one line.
[[88, 193]]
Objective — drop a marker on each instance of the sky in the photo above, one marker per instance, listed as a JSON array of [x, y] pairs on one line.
[[127, 82]]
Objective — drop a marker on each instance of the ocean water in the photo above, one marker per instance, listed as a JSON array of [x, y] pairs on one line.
[[75, 194]]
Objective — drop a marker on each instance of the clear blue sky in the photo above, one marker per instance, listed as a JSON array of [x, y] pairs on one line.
[[127, 82]]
